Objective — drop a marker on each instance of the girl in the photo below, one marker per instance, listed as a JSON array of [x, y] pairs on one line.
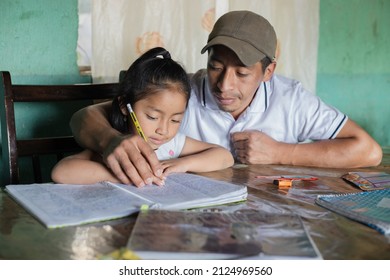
[[157, 89]]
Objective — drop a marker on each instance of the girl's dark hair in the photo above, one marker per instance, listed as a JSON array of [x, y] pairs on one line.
[[151, 72]]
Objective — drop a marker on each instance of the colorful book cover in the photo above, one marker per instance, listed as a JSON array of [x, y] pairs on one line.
[[371, 208], [368, 181]]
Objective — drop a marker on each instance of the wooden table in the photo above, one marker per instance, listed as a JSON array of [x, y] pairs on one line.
[[23, 237]]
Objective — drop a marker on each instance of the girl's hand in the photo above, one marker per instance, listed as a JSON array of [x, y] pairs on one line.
[[176, 165]]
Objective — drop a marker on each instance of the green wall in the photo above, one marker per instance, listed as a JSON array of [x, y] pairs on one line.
[[38, 42], [354, 62]]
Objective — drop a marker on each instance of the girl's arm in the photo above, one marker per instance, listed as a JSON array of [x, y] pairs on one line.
[[82, 168], [198, 156]]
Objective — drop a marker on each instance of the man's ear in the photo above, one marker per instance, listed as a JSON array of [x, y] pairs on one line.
[[269, 71]]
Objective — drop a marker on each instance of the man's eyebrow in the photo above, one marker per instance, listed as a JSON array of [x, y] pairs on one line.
[[214, 57]]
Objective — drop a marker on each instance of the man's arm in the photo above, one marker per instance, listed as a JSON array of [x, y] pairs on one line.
[[129, 157], [353, 147], [90, 127]]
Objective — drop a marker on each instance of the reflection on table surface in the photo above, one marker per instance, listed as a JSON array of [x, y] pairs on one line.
[[23, 237]]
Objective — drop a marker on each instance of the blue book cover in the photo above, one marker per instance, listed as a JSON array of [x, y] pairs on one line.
[[371, 208]]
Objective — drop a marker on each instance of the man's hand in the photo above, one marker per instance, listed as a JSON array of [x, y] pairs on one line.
[[132, 160], [353, 147], [255, 147]]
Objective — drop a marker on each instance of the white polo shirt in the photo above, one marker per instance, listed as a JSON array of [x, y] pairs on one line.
[[281, 108]]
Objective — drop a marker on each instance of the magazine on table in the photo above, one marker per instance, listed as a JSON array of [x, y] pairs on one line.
[[210, 234]]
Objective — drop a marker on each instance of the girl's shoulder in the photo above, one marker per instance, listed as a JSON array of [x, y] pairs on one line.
[[87, 155]]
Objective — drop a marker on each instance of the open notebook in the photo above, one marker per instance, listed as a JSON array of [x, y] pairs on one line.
[[240, 234], [58, 205]]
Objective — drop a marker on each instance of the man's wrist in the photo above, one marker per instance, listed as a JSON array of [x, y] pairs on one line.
[[286, 153]]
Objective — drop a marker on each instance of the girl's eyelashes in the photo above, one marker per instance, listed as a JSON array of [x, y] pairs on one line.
[[156, 118], [150, 117], [175, 120]]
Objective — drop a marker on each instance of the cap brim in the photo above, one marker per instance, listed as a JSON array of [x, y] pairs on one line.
[[247, 54]]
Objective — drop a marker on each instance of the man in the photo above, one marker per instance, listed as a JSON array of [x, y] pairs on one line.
[[240, 104]]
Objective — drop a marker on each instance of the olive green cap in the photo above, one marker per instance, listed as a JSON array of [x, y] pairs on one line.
[[250, 36]]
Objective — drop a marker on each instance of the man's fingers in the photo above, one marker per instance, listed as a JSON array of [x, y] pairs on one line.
[[159, 181], [127, 174], [240, 142], [138, 166], [132, 160], [239, 136], [126, 162], [241, 156], [151, 158], [239, 145], [126, 177]]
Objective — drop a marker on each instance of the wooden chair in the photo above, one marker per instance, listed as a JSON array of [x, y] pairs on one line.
[[14, 148]]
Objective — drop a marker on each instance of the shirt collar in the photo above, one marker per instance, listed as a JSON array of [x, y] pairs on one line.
[[261, 99]]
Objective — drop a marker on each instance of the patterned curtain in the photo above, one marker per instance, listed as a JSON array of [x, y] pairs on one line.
[[124, 29]]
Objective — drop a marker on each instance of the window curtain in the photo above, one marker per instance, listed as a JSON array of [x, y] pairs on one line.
[[124, 29]]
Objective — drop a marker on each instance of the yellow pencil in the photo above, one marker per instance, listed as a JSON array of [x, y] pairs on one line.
[[135, 121]]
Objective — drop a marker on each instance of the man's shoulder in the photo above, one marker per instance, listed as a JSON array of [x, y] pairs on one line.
[[283, 86], [198, 80], [198, 77], [282, 81]]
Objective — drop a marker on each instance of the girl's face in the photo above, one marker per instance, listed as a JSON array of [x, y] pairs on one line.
[[160, 115]]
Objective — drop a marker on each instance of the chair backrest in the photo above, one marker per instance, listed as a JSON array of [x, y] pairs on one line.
[[13, 148]]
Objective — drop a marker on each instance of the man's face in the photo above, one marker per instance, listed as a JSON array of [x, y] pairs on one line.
[[233, 84]]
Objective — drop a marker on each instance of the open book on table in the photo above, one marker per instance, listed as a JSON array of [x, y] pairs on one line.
[[371, 208], [239, 234], [58, 205]]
